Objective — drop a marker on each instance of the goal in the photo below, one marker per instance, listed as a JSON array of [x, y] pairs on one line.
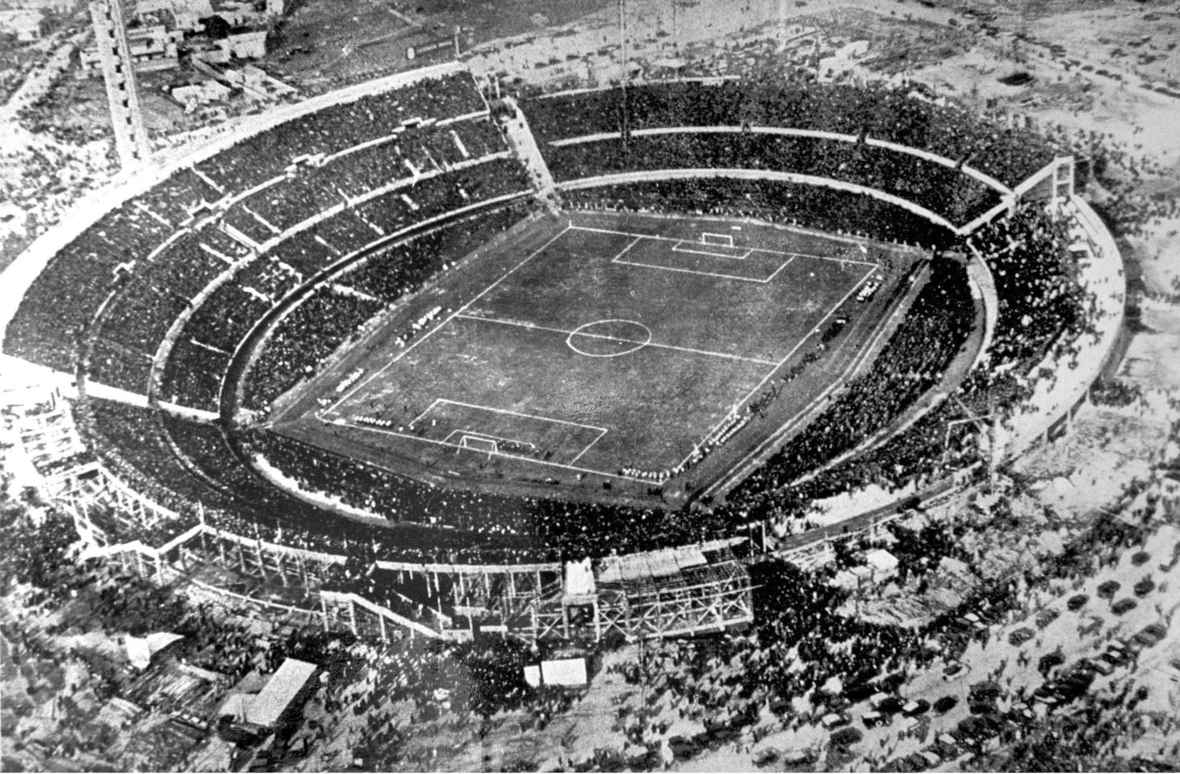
[[479, 444], [721, 240]]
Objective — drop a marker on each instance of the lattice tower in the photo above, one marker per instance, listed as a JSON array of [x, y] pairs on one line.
[[110, 34]]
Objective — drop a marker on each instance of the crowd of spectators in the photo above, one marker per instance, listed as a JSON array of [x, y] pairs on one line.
[[527, 529], [1036, 283], [61, 303], [305, 338], [330, 315], [825, 209], [931, 335], [111, 256], [940, 189], [880, 111], [267, 155], [180, 462]]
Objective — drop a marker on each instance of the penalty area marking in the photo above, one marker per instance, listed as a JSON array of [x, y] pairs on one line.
[[440, 326], [601, 431], [562, 466], [478, 407], [752, 249], [717, 274], [818, 326]]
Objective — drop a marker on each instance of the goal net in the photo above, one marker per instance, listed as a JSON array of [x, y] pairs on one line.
[[721, 240]]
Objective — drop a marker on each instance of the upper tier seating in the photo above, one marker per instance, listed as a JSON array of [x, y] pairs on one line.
[[878, 111]]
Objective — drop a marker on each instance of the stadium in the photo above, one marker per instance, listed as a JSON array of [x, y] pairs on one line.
[[423, 357]]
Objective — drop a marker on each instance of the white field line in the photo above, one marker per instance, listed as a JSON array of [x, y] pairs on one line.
[[469, 433], [752, 249], [596, 440], [677, 248], [794, 349], [698, 272], [439, 327], [495, 453], [505, 411], [532, 326]]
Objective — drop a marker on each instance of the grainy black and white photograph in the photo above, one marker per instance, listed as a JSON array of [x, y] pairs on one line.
[[589, 385]]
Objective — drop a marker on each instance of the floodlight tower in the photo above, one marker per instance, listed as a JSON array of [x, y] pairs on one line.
[[110, 35]]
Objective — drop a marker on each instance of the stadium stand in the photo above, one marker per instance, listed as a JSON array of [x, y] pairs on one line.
[[329, 191], [940, 189], [878, 111]]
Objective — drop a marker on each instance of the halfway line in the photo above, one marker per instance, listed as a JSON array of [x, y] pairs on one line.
[[533, 326]]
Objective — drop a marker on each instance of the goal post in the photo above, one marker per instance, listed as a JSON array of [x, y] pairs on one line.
[[480, 444], [719, 240]]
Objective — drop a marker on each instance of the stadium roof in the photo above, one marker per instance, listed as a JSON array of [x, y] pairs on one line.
[[652, 564]]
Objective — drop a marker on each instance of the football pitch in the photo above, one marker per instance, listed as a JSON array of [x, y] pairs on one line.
[[606, 350]]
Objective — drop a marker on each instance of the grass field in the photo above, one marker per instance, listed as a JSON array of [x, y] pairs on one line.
[[611, 346]]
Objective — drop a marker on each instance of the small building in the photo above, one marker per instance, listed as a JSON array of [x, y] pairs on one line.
[[200, 93], [152, 48], [282, 698], [562, 672], [245, 44], [280, 701], [256, 84], [198, 7]]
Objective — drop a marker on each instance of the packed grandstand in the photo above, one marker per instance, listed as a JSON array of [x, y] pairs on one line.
[[237, 277]]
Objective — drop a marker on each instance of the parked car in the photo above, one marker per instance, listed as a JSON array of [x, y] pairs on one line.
[[1050, 660], [834, 720], [844, 737], [1077, 602], [858, 693], [1108, 589], [982, 707], [838, 704], [945, 704], [1124, 605], [1116, 656], [872, 719], [954, 671], [931, 758], [1021, 636], [1101, 666], [1150, 635], [915, 708]]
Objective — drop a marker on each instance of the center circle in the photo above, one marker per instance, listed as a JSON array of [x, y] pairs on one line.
[[609, 338]]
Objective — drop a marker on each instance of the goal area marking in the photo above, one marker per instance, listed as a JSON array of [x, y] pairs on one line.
[[720, 240], [479, 444], [700, 248], [478, 439]]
